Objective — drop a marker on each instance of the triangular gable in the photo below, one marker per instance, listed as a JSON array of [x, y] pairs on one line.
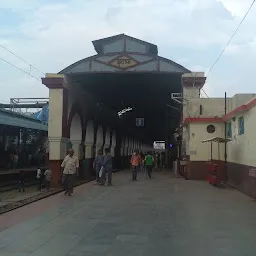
[[123, 43]]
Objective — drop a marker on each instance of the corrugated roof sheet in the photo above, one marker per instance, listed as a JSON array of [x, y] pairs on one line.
[[19, 120]]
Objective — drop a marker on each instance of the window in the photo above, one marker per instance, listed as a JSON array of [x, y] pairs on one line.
[[229, 130], [201, 109], [210, 128], [241, 125]]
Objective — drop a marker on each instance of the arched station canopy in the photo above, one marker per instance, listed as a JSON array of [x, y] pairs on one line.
[[127, 72]]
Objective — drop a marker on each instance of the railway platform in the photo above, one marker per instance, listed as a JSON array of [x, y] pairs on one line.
[[162, 216]]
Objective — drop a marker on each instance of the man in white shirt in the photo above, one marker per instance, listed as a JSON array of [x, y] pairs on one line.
[[69, 166], [48, 178], [40, 177]]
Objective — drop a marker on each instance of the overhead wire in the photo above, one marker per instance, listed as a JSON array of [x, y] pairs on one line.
[[14, 54], [232, 36], [229, 41], [24, 71], [205, 93]]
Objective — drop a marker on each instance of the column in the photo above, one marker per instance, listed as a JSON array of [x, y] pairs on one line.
[[99, 139], [113, 144], [122, 147], [107, 140], [192, 85], [88, 161], [88, 150], [57, 123], [130, 147], [125, 153]]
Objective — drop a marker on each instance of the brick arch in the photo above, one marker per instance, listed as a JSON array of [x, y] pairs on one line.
[[76, 109]]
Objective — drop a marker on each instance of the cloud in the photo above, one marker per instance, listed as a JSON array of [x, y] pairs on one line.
[[236, 7], [53, 34]]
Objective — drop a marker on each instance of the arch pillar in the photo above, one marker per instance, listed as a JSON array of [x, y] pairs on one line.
[[99, 139], [89, 150], [132, 146], [76, 129], [113, 144], [122, 147], [107, 139], [113, 149], [124, 152], [139, 145], [129, 147], [125, 146], [57, 123]]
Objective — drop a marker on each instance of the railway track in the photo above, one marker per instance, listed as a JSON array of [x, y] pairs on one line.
[[13, 185]]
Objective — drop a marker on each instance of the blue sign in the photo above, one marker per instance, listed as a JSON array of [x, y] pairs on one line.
[[139, 122]]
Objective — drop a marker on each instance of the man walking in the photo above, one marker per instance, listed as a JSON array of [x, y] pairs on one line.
[[107, 165], [70, 166], [97, 164], [135, 162], [149, 161]]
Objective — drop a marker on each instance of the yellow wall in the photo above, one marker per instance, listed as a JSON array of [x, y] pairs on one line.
[[242, 148], [55, 112], [57, 146], [199, 151]]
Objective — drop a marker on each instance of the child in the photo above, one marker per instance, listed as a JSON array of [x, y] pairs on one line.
[[21, 180], [40, 178], [48, 178]]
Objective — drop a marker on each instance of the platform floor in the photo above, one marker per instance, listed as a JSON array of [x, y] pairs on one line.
[[162, 216]]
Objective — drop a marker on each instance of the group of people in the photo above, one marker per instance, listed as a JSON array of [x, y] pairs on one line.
[[143, 162], [44, 177], [102, 165]]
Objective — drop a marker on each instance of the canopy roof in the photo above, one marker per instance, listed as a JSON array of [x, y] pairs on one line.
[[15, 119], [123, 53], [217, 139]]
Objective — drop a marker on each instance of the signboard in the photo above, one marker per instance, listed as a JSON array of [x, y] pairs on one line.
[[139, 122], [123, 62], [159, 145]]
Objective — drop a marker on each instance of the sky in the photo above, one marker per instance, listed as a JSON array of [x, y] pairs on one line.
[[52, 34]]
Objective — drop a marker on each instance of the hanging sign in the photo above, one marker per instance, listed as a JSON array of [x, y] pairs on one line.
[[139, 122], [159, 145]]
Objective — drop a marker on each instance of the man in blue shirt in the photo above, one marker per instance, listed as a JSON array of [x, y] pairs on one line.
[[107, 165]]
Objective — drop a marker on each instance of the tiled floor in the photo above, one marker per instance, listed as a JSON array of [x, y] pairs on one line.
[[162, 216]]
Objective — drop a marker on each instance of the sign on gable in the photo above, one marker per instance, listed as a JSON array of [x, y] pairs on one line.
[[123, 62]]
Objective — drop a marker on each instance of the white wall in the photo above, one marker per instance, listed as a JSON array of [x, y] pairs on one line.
[[199, 151], [242, 148], [76, 128], [241, 98], [211, 107]]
